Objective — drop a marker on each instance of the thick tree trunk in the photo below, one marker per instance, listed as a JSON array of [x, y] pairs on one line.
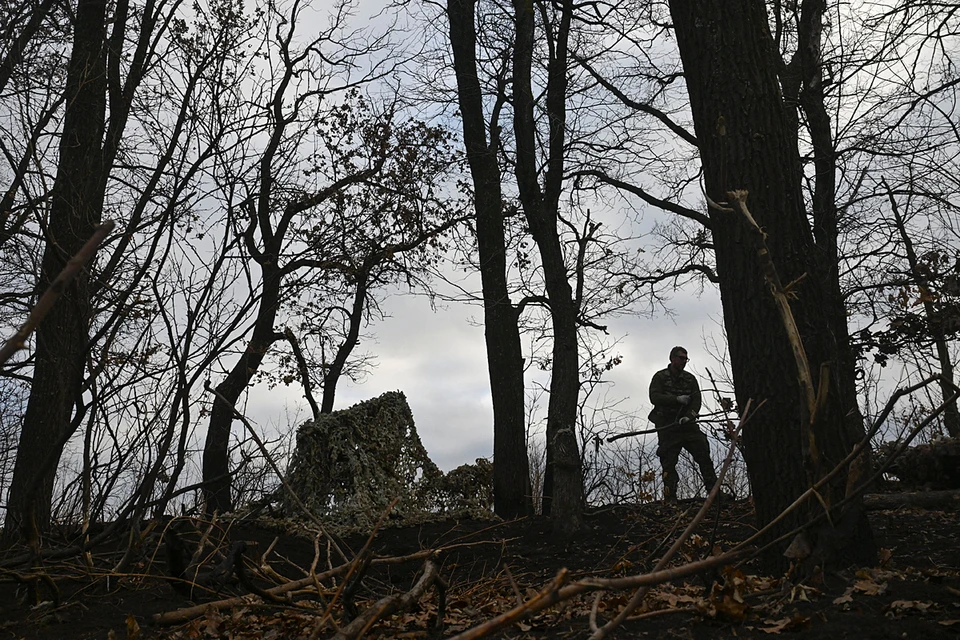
[[511, 477], [61, 339], [746, 142]]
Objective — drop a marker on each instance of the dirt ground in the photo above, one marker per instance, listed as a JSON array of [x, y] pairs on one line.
[[483, 569]]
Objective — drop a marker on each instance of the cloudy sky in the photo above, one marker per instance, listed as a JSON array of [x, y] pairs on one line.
[[437, 359]]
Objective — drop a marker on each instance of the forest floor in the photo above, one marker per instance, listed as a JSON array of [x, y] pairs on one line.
[[482, 569]]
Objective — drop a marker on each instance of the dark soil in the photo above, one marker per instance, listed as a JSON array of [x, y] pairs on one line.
[[913, 591]]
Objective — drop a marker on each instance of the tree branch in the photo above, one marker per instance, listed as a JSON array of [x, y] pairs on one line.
[[666, 205]]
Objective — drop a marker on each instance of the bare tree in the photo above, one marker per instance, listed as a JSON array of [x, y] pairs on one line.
[[511, 484], [87, 150], [334, 192]]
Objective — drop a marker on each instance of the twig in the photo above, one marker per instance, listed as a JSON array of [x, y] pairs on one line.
[[188, 613], [661, 612], [676, 525], [361, 559], [55, 290], [549, 596], [513, 583], [854, 453]]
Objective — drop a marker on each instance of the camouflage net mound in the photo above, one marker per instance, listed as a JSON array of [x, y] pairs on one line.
[[468, 489], [349, 466], [934, 465]]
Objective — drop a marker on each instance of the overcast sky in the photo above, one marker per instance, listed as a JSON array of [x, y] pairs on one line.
[[437, 359]]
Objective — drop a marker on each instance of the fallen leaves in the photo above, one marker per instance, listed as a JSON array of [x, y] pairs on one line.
[[866, 584], [791, 623], [901, 606], [726, 601], [869, 587]]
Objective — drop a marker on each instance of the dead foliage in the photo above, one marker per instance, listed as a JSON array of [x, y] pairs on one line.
[[194, 578]]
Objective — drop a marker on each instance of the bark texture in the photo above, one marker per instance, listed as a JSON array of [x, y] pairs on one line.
[[747, 142]]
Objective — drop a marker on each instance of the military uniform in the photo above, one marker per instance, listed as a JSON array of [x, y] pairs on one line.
[[667, 412]]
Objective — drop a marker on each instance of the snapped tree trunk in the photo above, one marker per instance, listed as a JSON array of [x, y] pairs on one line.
[[746, 142], [511, 475], [62, 338]]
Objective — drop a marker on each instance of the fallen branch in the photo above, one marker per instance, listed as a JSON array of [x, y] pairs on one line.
[[360, 559], [555, 592], [188, 613], [389, 605], [854, 453]]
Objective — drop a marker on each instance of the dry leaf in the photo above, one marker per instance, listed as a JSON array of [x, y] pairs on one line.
[[884, 557], [870, 588], [793, 622], [133, 629], [845, 598], [903, 605], [801, 592], [731, 608], [777, 625]]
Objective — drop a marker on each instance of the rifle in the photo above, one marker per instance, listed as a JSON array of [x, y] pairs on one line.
[[675, 423], [646, 431]]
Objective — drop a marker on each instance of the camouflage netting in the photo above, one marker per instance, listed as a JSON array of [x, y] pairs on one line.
[[934, 465], [348, 466], [468, 489]]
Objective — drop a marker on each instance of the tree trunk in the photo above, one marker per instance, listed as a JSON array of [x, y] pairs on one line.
[[563, 483], [61, 339], [216, 449], [511, 476], [746, 142]]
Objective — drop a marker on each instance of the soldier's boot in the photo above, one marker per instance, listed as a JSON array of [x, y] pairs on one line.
[[670, 481], [708, 481], [723, 496]]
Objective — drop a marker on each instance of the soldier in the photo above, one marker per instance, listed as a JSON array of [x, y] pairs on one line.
[[675, 395]]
